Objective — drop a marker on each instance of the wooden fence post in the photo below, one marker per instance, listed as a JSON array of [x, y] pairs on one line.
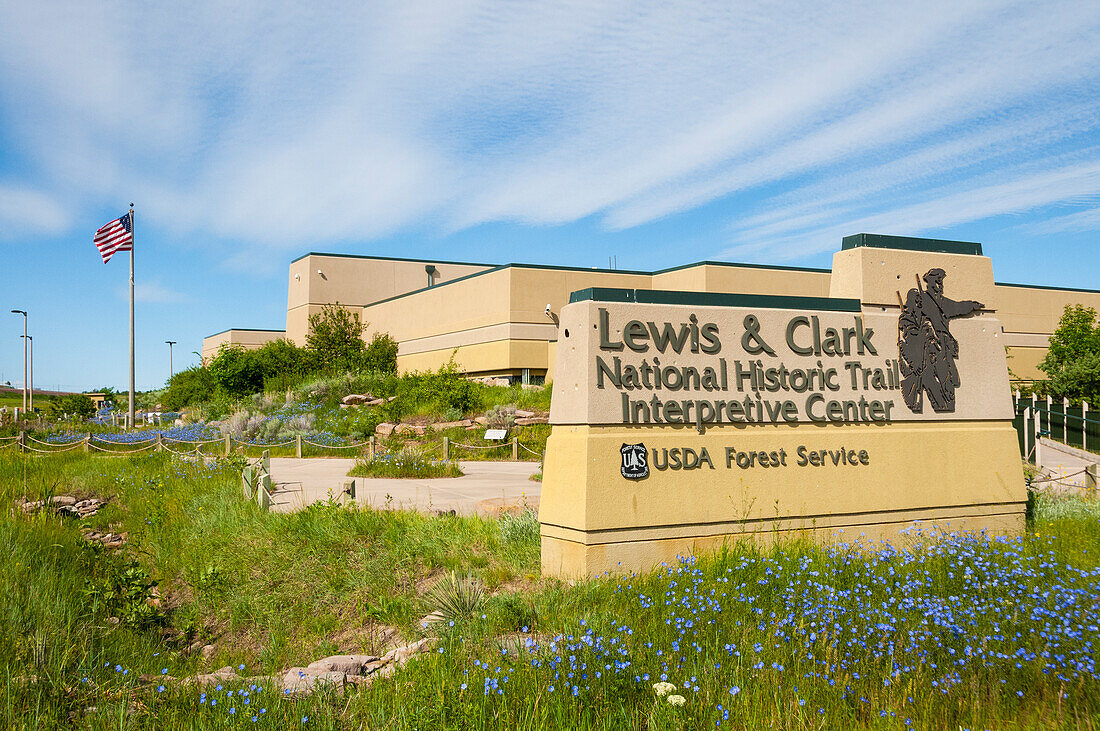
[[446, 449], [1024, 429], [298, 446], [515, 449], [88, 444], [1065, 419], [228, 444], [1091, 475], [263, 493], [372, 444], [265, 460], [1084, 425], [23, 441], [1038, 445], [160, 442]]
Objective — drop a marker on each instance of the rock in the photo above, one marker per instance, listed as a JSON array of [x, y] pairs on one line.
[[401, 655], [529, 420], [347, 664], [222, 675], [483, 420], [375, 402], [65, 500], [385, 429], [429, 619], [522, 414], [32, 506], [300, 681], [354, 399], [208, 652]]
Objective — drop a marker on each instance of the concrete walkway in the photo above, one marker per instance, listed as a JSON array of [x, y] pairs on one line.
[[485, 488], [1062, 466]]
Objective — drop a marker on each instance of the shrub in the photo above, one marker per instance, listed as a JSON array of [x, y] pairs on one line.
[[188, 387], [381, 354], [76, 404], [406, 463], [237, 371], [336, 339]]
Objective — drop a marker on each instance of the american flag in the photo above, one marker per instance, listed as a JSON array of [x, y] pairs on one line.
[[115, 236]]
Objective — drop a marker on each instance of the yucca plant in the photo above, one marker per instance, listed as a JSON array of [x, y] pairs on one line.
[[455, 598]]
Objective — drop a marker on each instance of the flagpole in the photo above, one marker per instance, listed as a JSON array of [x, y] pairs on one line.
[[132, 424]]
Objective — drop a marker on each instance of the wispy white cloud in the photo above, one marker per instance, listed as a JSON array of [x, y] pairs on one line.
[[278, 128], [29, 212], [152, 292]]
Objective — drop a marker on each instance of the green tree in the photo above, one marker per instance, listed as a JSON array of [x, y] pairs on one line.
[[187, 387], [282, 359], [381, 354], [237, 371], [336, 339], [1073, 359], [75, 404]]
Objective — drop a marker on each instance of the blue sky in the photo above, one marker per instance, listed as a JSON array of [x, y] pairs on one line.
[[249, 133]]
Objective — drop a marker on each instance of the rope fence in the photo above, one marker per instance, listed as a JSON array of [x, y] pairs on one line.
[[335, 446], [54, 451]]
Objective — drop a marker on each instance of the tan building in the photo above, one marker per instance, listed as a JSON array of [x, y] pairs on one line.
[[247, 339], [500, 320]]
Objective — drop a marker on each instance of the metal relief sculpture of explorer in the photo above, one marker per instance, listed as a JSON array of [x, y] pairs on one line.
[[926, 346]]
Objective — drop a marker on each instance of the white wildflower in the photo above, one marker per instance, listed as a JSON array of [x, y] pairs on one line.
[[677, 700], [663, 689]]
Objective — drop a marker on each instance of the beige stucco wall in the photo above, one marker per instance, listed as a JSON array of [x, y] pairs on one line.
[[247, 339], [356, 281], [753, 280], [465, 313]]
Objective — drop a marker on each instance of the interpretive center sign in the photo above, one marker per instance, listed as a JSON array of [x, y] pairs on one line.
[[681, 419]]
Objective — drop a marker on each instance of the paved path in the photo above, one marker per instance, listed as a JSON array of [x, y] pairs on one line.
[[485, 488], [1063, 466]]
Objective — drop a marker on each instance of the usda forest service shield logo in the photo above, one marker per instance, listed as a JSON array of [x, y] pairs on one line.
[[634, 466]]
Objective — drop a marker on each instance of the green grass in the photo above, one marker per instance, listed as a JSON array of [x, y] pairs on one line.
[[273, 590], [404, 464]]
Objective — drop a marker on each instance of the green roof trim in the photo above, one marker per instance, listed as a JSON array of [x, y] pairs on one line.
[[1047, 287], [245, 330], [714, 299], [738, 265], [393, 258], [907, 243]]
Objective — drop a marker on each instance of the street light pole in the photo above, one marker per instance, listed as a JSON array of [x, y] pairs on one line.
[[171, 372], [24, 314], [30, 373]]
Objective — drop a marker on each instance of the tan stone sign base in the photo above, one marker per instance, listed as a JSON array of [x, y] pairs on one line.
[[686, 420], [954, 476]]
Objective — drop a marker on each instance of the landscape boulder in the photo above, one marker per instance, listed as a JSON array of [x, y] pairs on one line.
[[529, 420], [385, 429], [355, 399], [347, 664]]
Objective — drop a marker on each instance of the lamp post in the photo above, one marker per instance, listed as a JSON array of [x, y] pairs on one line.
[[30, 373], [171, 372], [24, 314]]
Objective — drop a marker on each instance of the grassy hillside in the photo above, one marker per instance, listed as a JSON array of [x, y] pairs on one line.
[[950, 632]]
